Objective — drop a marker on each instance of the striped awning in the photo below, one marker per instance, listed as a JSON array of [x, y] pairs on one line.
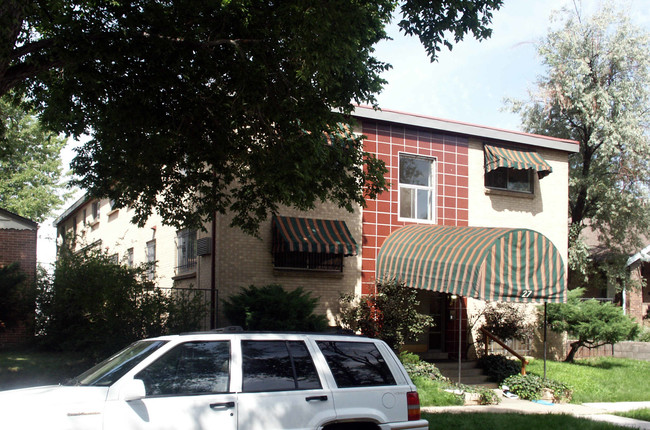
[[497, 156], [291, 234], [494, 264]]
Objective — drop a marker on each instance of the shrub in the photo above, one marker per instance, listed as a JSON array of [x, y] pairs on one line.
[[499, 367], [507, 321], [16, 297], [273, 308], [93, 306], [530, 387], [645, 335], [390, 315]]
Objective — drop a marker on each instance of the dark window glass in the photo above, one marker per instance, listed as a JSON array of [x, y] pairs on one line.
[[308, 261], [189, 368], [277, 366], [356, 364], [510, 179]]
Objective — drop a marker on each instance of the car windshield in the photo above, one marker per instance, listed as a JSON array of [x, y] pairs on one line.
[[114, 367]]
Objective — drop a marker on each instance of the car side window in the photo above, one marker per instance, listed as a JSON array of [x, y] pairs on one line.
[[189, 368], [277, 366], [356, 364]]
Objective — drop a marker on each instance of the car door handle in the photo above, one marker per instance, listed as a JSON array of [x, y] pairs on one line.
[[319, 398], [224, 405]]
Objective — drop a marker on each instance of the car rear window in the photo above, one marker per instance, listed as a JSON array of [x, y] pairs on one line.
[[356, 364], [277, 366]]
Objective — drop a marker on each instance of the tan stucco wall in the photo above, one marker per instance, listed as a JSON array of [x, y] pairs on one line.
[[546, 212]]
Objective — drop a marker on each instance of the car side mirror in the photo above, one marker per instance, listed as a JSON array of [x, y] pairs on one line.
[[133, 390]]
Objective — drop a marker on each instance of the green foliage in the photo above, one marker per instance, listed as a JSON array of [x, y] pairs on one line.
[[595, 90], [507, 321], [590, 322], [273, 308], [390, 314], [423, 369], [492, 421], [94, 306], [432, 392], [203, 107], [602, 379], [16, 297], [499, 367], [644, 336], [30, 164], [530, 387], [637, 414]]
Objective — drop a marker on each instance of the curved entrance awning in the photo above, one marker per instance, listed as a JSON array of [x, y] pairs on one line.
[[494, 264]]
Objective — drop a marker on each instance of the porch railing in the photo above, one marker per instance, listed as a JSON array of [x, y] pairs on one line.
[[490, 337]]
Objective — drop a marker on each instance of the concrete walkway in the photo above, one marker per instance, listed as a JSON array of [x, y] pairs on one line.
[[592, 411]]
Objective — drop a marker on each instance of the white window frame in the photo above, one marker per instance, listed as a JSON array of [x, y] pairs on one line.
[[433, 189]]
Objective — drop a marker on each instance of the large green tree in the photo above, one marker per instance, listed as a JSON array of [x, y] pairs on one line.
[[30, 164], [596, 90], [590, 323], [197, 107]]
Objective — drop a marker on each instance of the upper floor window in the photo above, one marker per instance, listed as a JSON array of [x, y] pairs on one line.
[[186, 250], [417, 187], [151, 260], [95, 211], [505, 178]]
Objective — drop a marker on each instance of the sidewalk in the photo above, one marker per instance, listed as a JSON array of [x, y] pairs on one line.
[[592, 411]]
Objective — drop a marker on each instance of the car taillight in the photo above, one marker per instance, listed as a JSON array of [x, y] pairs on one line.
[[413, 404]]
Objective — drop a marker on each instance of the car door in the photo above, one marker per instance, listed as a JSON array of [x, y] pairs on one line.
[[186, 388], [281, 388]]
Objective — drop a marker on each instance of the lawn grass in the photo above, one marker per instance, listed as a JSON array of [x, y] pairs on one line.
[[637, 414], [29, 368], [491, 421], [602, 379], [432, 393]]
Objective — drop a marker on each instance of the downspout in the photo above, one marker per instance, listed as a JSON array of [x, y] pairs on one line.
[[213, 281]]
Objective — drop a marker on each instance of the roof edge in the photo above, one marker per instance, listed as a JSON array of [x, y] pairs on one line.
[[17, 217], [459, 127], [66, 214]]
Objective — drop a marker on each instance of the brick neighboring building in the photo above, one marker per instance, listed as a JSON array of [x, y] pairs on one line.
[[18, 245], [439, 175]]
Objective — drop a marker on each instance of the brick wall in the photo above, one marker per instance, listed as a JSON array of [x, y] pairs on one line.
[[18, 246], [380, 217]]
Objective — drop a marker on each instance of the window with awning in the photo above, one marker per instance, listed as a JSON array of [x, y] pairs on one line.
[[310, 243], [519, 159], [494, 264]]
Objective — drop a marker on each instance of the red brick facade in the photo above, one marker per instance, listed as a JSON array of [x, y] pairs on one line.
[[18, 246], [380, 217]]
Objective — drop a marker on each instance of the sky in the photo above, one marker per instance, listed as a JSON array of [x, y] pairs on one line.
[[468, 83]]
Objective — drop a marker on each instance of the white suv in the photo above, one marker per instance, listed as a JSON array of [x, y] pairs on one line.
[[229, 379]]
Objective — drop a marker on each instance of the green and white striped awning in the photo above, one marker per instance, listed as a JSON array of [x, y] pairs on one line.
[[497, 156], [493, 264], [291, 234]]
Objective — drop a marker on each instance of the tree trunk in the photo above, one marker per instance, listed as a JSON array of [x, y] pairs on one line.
[[575, 346]]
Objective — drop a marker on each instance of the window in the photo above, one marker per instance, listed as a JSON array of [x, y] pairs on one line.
[[356, 364], [188, 369], [186, 250], [115, 258], [151, 260], [505, 178], [277, 366], [308, 261], [84, 217], [417, 187], [95, 211], [129, 257]]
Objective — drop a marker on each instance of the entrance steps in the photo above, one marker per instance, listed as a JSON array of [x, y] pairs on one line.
[[470, 373]]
